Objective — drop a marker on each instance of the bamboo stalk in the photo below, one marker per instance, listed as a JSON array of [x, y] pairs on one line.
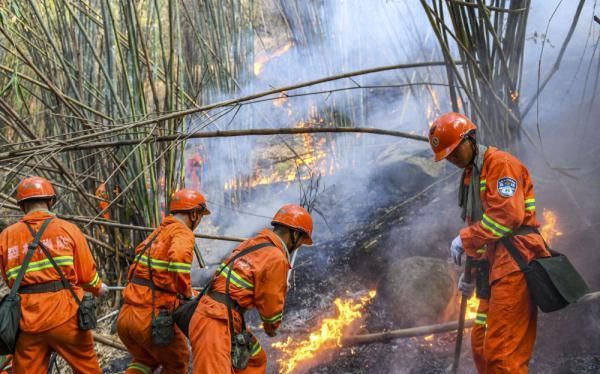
[[222, 134]]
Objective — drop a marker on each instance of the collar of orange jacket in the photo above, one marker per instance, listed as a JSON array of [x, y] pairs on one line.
[[38, 215], [276, 240], [170, 220]]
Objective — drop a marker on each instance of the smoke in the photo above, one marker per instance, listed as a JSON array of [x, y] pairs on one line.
[[326, 38], [371, 172]]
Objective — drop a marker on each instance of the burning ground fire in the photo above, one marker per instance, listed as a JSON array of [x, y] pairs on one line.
[[311, 159], [328, 335], [549, 229], [262, 59]]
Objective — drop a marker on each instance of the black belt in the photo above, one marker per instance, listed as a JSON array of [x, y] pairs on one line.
[[223, 299], [146, 283], [525, 230], [42, 287]]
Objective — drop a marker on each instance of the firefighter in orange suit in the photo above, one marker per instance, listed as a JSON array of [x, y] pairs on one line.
[[170, 254], [49, 311], [257, 280], [104, 202], [497, 200]]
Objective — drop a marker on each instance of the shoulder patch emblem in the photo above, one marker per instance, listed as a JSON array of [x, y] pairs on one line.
[[507, 187]]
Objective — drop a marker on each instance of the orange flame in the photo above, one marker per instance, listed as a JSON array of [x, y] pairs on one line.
[[310, 159], [472, 305], [549, 230], [328, 335], [263, 58]]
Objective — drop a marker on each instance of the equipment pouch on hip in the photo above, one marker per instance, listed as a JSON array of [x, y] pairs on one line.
[[86, 314], [163, 328], [482, 279], [241, 349], [10, 315]]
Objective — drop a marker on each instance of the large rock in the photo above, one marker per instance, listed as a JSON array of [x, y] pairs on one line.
[[420, 291]]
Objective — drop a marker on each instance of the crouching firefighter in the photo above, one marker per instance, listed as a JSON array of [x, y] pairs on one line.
[[158, 279], [48, 261], [254, 276], [498, 203]]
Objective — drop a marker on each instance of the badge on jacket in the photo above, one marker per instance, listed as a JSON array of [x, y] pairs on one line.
[[507, 187]]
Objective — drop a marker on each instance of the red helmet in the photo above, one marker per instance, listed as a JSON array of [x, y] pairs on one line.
[[297, 218], [186, 199], [447, 132], [34, 188]]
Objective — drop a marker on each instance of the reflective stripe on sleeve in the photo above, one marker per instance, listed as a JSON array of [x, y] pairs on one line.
[[493, 226], [276, 318], [235, 278], [176, 267], [94, 282], [530, 204], [482, 185]]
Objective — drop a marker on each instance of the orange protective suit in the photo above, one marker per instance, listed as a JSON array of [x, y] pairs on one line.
[[49, 320], [171, 255], [508, 199], [258, 280]]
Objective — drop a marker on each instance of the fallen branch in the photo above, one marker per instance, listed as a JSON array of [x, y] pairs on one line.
[[109, 341], [141, 228], [427, 330], [248, 98], [403, 333], [217, 134]]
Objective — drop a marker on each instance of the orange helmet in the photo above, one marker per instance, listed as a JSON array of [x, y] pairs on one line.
[[297, 218], [186, 199], [34, 188], [447, 132]]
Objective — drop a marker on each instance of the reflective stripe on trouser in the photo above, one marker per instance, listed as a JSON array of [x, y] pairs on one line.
[[75, 346], [210, 340], [134, 326], [478, 338], [511, 326]]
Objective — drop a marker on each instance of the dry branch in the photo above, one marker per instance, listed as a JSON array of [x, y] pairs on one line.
[[403, 333], [109, 341], [141, 228], [427, 330], [218, 134]]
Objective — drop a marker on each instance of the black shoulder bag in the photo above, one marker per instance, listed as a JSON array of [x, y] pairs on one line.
[[183, 315], [10, 306], [553, 281], [86, 313]]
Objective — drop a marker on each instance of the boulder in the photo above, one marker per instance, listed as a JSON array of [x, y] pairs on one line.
[[420, 291]]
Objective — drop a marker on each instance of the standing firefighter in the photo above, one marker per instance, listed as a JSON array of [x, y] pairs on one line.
[[497, 201], [254, 276], [49, 320], [158, 279]]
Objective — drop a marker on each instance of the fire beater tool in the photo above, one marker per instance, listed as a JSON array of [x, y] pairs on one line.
[[461, 319]]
